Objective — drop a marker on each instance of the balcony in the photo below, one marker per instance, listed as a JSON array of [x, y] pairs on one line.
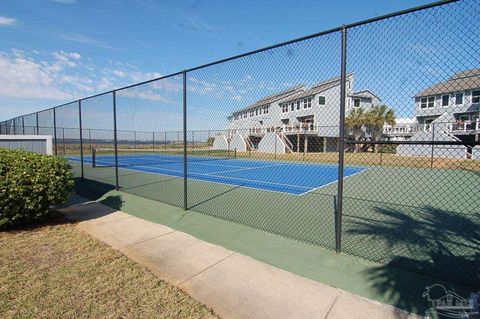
[[463, 127]]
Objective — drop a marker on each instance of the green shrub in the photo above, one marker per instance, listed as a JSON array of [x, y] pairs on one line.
[[30, 184]]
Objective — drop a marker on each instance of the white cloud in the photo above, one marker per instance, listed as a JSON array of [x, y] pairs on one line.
[[62, 75], [7, 21], [83, 39], [22, 77], [67, 58]]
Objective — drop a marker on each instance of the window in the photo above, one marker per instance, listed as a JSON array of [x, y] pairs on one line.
[[284, 108], [356, 102], [431, 102], [321, 100], [476, 96], [252, 113], [265, 109], [423, 103], [307, 103], [298, 105], [459, 98], [292, 106], [445, 100]]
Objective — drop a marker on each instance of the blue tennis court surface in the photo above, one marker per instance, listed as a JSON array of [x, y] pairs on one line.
[[291, 178]]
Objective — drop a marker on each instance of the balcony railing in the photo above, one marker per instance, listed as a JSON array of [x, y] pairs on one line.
[[410, 129]]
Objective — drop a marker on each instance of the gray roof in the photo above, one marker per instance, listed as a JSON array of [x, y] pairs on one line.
[[272, 98], [364, 93], [460, 81], [317, 88]]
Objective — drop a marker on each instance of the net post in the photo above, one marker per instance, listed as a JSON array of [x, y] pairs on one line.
[[81, 138], [341, 144], [185, 202], [115, 142], [55, 130]]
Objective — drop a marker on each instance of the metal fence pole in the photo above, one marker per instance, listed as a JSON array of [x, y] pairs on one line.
[[63, 141], [185, 201], [341, 144], [23, 125], [165, 141], [433, 141], [115, 143], [153, 140], [55, 130], [81, 137], [36, 122]]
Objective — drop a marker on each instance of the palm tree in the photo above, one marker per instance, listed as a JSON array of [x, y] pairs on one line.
[[355, 120], [376, 118]]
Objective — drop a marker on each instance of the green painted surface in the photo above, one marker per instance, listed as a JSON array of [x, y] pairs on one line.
[[416, 219]]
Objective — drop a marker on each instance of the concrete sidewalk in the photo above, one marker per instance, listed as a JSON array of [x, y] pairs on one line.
[[234, 285]]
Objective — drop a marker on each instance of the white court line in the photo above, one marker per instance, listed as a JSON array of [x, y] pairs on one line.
[[245, 169], [336, 180], [227, 177], [191, 162], [242, 179]]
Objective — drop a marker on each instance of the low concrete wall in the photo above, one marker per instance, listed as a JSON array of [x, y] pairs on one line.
[[271, 143], [41, 144], [220, 143], [443, 151]]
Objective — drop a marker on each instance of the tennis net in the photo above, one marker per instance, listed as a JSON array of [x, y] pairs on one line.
[[105, 157]]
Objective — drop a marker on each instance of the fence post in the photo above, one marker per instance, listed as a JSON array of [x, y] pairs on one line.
[[153, 140], [185, 202], [55, 130], [23, 125], [341, 144], [63, 141], [433, 141], [81, 137], [36, 122], [165, 141], [115, 143]]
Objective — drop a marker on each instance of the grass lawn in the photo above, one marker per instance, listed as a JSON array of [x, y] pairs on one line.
[[58, 271]]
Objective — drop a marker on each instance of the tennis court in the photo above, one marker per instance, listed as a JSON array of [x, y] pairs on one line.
[[216, 167]]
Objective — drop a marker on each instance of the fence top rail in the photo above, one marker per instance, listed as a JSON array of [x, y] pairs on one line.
[[310, 36]]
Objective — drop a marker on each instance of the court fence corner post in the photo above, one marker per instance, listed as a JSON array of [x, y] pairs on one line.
[[185, 198], [115, 142], [341, 144]]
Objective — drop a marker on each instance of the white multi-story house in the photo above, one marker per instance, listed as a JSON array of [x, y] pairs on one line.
[[299, 119], [446, 111]]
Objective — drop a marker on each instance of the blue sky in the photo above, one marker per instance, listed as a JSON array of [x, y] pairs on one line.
[[52, 52]]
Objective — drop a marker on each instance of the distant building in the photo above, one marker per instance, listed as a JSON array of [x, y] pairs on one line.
[[299, 119], [446, 111]]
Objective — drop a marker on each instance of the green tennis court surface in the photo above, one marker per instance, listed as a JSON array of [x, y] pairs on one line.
[[419, 219]]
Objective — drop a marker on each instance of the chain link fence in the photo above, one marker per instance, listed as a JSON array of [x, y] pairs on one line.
[[363, 139]]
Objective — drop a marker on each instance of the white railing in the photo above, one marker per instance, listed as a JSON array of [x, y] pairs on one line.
[[447, 127], [463, 127]]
